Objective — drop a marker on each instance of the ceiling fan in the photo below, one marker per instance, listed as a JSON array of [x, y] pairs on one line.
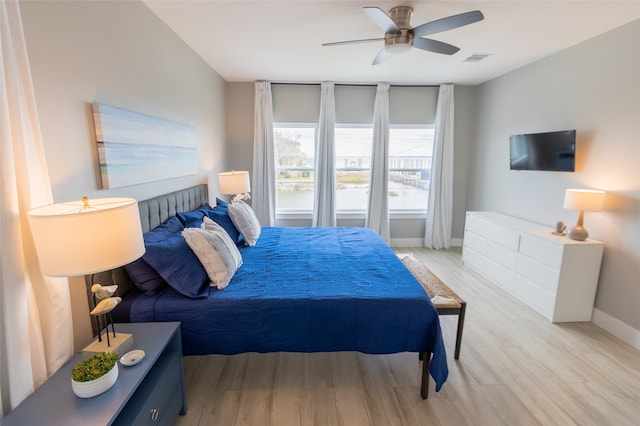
[[399, 36]]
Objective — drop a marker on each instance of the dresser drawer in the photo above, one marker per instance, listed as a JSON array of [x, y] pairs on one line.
[[500, 275], [495, 232], [539, 273], [543, 251], [502, 255], [155, 400], [475, 242], [472, 258], [535, 296]]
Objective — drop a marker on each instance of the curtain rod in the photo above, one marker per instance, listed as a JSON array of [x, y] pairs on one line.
[[287, 83]]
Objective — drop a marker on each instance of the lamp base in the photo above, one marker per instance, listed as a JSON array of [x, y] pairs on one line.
[[578, 233], [120, 344]]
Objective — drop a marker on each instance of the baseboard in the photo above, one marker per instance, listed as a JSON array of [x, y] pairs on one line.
[[407, 242], [616, 327], [419, 242]]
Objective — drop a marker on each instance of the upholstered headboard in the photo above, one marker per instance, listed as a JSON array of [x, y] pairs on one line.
[[153, 212]]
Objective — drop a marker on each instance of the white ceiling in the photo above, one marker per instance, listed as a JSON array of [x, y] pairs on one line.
[[280, 41]]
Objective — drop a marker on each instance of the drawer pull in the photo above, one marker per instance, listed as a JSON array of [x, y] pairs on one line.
[[154, 414]]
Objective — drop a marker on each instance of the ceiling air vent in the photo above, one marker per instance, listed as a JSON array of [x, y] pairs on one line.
[[477, 57]]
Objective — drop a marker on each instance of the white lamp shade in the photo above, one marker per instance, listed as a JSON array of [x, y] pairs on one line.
[[234, 182], [589, 200], [71, 239]]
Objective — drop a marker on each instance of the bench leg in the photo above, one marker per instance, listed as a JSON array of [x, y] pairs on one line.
[[424, 385], [463, 309]]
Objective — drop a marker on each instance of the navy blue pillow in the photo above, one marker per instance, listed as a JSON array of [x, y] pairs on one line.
[[193, 218], [145, 277], [220, 215], [221, 203], [174, 260], [141, 273], [171, 227]]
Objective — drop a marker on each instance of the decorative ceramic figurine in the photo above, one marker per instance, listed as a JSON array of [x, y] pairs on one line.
[[560, 228], [102, 292], [106, 305]]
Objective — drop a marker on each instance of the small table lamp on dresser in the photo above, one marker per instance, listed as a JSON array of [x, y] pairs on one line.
[[583, 200], [82, 238]]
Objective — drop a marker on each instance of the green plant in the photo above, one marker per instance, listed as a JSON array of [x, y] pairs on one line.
[[94, 367]]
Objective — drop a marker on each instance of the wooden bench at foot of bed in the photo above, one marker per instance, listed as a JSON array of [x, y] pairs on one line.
[[445, 300]]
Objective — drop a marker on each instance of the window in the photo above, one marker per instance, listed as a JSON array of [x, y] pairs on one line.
[[410, 152], [353, 167], [295, 153]]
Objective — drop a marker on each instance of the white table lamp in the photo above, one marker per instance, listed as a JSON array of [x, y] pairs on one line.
[[235, 183], [583, 200], [82, 238]]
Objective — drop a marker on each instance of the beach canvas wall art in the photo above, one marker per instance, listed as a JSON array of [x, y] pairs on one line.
[[135, 148]]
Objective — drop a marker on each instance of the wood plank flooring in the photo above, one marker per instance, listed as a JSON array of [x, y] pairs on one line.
[[515, 368]]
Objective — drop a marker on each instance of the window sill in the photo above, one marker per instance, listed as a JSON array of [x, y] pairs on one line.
[[345, 215]]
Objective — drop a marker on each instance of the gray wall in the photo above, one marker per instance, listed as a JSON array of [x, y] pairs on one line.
[[121, 54], [407, 109], [594, 88]]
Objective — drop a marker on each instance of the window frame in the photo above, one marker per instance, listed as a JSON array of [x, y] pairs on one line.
[[410, 213], [354, 214], [293, 213]]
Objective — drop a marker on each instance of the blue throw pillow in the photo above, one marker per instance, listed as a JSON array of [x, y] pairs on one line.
[[220, 215], [174, 260], [221, 203], [145, 277], [193, 218], [171, 227]]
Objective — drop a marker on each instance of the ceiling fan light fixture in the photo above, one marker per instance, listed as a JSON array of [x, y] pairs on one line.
[[396, 43]]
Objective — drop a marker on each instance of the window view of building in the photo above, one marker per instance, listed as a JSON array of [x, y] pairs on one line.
[[295, 156], [410, 151]]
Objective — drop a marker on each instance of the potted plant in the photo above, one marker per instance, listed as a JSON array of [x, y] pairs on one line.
[[94, 375]]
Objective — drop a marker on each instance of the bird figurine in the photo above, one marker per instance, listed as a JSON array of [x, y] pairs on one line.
[[102, 292], [105, 306]]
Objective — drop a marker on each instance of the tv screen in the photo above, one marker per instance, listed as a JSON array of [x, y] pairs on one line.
[[551, 151]]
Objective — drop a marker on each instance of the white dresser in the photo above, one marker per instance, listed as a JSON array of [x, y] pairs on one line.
[[554, 275]]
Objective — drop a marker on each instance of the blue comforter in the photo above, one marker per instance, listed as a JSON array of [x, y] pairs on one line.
[[308, 290]]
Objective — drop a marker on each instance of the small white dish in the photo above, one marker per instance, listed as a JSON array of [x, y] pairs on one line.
[[132, 357]]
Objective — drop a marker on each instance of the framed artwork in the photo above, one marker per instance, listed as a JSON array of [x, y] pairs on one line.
[[136, 148]]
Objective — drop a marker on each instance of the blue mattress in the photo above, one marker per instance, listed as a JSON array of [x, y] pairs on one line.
[[307, 290]]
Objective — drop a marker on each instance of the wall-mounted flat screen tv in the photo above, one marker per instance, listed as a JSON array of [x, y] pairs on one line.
[[551, 151]]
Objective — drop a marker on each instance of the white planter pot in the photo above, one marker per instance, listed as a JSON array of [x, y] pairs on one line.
[[95, 387]]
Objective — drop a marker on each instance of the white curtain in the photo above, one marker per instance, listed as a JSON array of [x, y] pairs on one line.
[[378, 206], [324, 205], [439, 212], [263, 186], [36, 332]]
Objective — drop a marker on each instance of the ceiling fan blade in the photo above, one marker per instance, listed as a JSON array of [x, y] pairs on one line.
[[340, 43], [434, 46], [447, 23], [382, 56], [381, 19]]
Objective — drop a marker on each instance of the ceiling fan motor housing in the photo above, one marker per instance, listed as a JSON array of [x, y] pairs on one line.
[[400, 41]]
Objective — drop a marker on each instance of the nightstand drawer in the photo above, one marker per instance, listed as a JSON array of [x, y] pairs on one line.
[[154, 403]]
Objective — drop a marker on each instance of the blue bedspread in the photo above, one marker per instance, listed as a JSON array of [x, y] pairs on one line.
[[308, 290]]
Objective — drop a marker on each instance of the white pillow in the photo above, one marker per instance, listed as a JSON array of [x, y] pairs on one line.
[[245, 220], [215, 250]]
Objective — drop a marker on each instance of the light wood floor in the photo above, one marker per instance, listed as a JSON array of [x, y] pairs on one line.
[[515, 368]]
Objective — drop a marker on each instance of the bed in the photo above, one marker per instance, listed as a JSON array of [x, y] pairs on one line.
[[297, 290]]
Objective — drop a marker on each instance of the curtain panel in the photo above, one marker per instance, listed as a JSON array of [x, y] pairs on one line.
[[264, 169], [324, 204], [378, 205], [36, 332], [440, 209]]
